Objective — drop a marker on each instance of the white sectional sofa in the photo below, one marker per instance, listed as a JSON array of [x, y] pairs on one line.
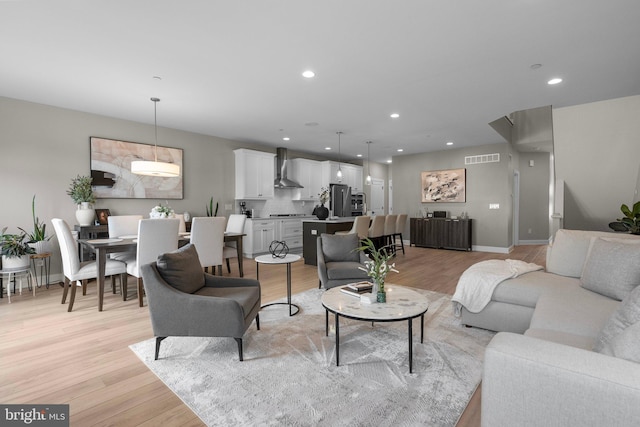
[[578, 360]]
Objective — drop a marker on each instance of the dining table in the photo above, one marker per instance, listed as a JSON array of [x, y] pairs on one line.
[[103, 247]]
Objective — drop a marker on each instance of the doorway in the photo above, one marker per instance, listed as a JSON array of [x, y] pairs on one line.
[[377, 197]]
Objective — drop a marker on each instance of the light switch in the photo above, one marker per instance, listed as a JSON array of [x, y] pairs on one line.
[[314, 232], [494, 205]]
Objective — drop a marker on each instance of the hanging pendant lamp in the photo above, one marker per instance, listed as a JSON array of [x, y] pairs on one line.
[[155, 168], [339, 174], [368, 180]]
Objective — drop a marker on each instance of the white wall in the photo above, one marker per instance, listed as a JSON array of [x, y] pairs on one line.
[[534, 197], [597, 153]]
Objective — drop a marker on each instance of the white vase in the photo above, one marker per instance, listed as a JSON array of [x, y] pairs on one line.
[[15, 262], [85, 215]]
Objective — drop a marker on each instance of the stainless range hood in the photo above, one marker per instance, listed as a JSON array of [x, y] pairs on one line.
[[281, 180]]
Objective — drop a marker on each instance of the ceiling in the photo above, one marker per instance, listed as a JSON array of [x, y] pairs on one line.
[[233, 68]]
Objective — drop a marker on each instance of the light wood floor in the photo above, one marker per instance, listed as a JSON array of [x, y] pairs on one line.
[[49, 356]]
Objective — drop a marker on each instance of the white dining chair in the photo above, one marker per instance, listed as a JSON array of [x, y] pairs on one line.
[[76, 271], [234, 225], [123, 226], [207, 235], [155, 237], [183, 225]]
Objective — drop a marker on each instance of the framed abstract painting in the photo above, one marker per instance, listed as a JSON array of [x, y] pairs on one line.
[[111, 170], [444, 186]]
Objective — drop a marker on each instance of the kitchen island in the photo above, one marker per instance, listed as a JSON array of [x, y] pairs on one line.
[[312, 228]]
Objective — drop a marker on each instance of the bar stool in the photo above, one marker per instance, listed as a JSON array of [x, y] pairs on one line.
[[376, 230], [401, 223], [389, 231]]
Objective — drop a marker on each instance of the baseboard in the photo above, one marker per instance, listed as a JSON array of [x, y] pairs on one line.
[[493, 249], [533, 242]]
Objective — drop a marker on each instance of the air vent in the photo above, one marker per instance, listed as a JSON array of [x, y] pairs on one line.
[[483, 158]]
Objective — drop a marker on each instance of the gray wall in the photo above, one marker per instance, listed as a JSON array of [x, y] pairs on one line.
[[597, 154], [534, 197], [486, 183]]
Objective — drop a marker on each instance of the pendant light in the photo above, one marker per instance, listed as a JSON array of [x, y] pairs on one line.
[[155, 168], [339, 174], [368, 180]]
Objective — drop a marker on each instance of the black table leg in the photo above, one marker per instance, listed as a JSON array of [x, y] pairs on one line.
[[422, 329], [337, 340], [410, 346], [326, 319]]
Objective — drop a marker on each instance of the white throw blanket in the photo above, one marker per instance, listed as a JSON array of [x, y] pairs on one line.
[[476, 285]]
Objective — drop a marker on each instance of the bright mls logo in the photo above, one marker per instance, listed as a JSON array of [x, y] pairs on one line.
[[35, 415]]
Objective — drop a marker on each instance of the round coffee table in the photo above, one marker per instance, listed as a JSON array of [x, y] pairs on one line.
[[402, 304], [288, 260]]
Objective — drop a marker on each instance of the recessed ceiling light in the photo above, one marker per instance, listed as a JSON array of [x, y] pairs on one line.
[[327, 148], [535, 66], [308, 74], [358, 155], [286, 138], [554, 81], [389, 161], [449, 143], [400, 150], [394, 115]]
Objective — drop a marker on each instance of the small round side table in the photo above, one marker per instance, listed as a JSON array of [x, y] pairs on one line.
[[288, 260], [43, 261]]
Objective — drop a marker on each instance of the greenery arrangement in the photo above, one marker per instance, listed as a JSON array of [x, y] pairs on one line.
[[377, 267], [631, 218], [80, 190], [13, 245], [210, 211], [160, 211], [39, 228]]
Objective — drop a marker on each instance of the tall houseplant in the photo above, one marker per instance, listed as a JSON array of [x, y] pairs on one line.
[[38, 237], [82, 194]]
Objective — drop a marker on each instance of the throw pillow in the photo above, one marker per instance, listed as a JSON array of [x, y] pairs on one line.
[[612, 268], [340, 247], [621, 334], [568, 252], [181, 269]]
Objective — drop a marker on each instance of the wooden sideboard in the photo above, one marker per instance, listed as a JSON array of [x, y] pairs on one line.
[[444, 233]]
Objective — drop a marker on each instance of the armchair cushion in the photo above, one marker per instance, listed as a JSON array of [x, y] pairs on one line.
[[181, 269], [345, 270], [340, 247]]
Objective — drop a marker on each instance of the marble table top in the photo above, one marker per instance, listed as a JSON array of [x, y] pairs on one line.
[[269, 259], [402, 303]]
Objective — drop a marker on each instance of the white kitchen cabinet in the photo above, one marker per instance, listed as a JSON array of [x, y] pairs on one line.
[[307, 173], [255, 173], [290, 231], [351, 175], [259, 235]]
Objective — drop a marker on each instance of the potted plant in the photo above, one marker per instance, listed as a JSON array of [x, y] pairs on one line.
[[38, 238], [210, 210], [631, 220], [15, 251], [82, 194], [377, 266]]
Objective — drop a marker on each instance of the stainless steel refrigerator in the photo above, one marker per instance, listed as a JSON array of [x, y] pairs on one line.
[[340, 202]]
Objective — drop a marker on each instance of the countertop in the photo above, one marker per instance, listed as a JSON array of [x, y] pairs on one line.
[[331, 221]]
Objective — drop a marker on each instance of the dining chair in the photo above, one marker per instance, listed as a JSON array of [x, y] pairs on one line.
[[360, 227], [401, 223], [376, 230], [183, 225], [234, 225], [76, 271], [123, 226], [207, 235], [389, 230], [155, 237]]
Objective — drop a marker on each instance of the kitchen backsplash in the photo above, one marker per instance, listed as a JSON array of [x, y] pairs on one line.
[[280, 204]]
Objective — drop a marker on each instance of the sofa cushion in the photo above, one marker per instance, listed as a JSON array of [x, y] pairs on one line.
[[181, 269], [340, 247], [568, 252], [612, 268], [573, 310], [573, 340], [621, 334], [526, 289]]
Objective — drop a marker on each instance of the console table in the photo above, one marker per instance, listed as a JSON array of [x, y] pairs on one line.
[[443, 233]]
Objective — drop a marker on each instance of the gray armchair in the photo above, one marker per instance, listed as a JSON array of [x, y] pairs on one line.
[[338, 260], [185, 301]]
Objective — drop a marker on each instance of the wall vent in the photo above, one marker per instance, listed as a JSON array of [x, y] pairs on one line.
[[483, 158]]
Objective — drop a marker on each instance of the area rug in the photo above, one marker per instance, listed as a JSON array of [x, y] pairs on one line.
[[289, 376]]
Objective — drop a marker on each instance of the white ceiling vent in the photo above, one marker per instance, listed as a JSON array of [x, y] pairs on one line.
[[483, 158]]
